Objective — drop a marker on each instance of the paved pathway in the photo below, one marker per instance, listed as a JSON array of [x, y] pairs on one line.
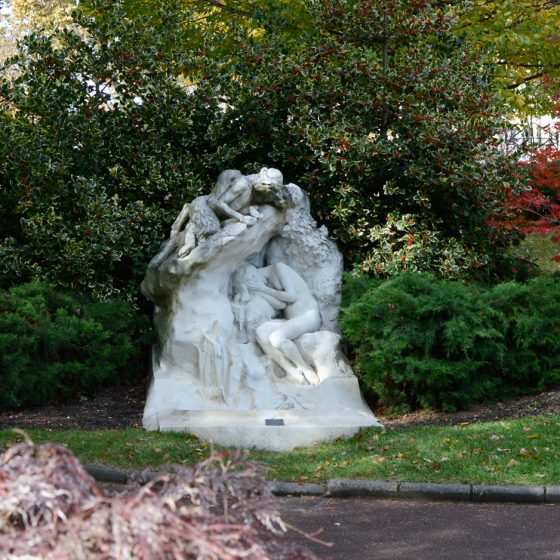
[[374, 529]]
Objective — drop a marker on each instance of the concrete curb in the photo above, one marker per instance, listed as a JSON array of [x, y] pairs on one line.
[[423, 491], [106, 474], [348, 488], [508, 493], [297, 489], [511, 493]]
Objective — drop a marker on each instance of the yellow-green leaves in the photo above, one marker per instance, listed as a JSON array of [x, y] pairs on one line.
[[525, 38]]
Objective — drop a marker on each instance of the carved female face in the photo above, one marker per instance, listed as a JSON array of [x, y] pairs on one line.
[[243, 274]]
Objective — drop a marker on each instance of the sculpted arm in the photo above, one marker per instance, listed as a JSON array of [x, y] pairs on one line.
[[275, 303], [279, 295], [170, 245], [218, 205], [287, 278], [180, 220]]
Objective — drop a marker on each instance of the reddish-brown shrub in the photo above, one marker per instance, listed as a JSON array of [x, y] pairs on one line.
[[50, 508]]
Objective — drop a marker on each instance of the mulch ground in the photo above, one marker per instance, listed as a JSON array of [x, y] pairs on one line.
[[112, 408], [122, 407]]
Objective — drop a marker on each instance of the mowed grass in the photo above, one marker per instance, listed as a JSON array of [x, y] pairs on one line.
[[523, 451], [541, 250]]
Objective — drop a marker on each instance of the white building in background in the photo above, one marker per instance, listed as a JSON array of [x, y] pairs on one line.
[[532, 133]]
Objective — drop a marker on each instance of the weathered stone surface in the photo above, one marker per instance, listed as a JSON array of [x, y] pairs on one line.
[[246, 293], [346, 488], [432, 491]]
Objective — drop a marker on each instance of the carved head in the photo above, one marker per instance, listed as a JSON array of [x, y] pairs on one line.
[[242, 274], [295, 196], [268, 179], [225, 180]]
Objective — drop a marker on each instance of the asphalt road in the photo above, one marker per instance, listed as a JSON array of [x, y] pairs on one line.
[[376, 529]]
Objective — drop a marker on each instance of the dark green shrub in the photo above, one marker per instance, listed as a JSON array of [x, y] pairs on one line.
[[100, 146], [384, 116], [423, 342], [531, 316], [354, 286], [56, 345], [386, 126]]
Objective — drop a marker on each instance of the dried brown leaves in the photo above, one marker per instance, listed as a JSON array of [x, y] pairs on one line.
[[50, 508], [40, 484]]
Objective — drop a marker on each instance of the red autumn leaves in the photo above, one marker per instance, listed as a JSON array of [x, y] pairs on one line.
[[536, 210]]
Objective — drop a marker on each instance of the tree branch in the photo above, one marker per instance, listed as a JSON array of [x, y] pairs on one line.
[[229, 9], [531, 77]]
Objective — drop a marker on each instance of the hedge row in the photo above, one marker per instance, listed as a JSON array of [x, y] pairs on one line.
[[56, 345], [416, 341], [420, 342]]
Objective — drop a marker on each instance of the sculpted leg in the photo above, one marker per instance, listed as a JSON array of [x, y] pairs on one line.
[[290, 350], [281, 340], [293, 372]]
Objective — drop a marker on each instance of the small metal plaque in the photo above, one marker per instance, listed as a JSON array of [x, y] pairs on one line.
[[274, 421]]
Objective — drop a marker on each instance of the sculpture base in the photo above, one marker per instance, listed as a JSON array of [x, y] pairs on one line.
[[273, 430], [307, 414]]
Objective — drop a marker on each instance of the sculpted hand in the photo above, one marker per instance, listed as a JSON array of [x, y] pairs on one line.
[[253, 285], [249, 220], [254, 211]]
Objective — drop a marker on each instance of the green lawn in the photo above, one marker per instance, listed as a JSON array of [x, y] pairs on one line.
[[540, 249], [516, 451]]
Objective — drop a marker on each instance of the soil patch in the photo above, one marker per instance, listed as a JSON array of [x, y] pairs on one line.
[[110, 408], [547, 404], [122, 407]]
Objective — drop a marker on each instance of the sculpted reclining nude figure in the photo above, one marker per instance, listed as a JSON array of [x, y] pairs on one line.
[[231, 198], [201, 218], [286, 290], [246, 292]]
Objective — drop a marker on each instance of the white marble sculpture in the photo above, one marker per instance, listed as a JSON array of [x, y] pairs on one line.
[[246, 292]]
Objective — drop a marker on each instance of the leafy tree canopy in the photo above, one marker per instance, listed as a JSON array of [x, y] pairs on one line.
[[390, 120], [382, 113], [523, 34], [525, 37], [32, 14], [101, 145]]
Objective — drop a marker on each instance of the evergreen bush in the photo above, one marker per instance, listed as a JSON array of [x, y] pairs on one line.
[[109, 126], [100, 147], [56, 345], [389, 121], [421, 342]]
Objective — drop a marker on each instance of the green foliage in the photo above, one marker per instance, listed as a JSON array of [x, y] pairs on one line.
[[427, 343], [100, 146], [354, 285], [389, 121], [523, 35], [55, 345], [382, 114]]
